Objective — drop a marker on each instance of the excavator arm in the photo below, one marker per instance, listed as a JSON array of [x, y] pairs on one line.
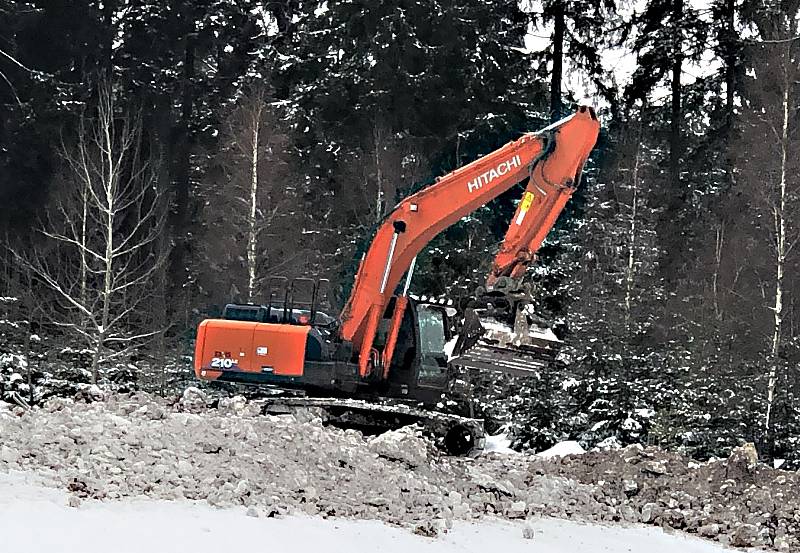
[[545, 196], [552, 157]]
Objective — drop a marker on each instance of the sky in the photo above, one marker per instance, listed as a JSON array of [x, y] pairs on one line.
[[620, 61]]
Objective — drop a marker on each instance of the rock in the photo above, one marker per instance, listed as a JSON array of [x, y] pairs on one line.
[[746, 535], [193, 400], [405, 444], [632, 453], [235, 405], [488, 483], [630, 487], [673, 518], [253, 512], [609, 444], [628, 514], [461, 510], [742, 462], [649, 512], [655, 467], [74, 501], [517, 509], [152, 411], [281, 466], [311, 493], [528, 532], [8, 455], [242, 488], [427, 529]]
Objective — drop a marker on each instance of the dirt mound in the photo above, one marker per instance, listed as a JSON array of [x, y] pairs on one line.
[[734, 500]]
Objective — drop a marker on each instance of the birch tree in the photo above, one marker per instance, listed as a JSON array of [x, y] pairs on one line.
[[98, 257], [252, 204], [770, 163], [621, 265]]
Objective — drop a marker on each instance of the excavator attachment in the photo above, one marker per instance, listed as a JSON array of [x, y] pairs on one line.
[[502, 333]]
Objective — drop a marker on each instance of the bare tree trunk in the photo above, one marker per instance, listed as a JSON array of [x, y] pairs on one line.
[[779, 212], [113, 217], [252, 226], [718, 244], [630, 271], [675, 144], [84, 214], [29, 331], [110, 172], [559, 28], [377, 142]]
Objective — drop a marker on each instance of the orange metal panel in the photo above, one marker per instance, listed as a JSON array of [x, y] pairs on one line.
[[249, 347], [285, 348], [394, 329]]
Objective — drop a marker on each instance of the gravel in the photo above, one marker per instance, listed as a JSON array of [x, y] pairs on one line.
[[140, 445]]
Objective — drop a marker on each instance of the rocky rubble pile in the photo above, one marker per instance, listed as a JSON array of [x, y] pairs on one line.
[[736, 501], [137, 444]]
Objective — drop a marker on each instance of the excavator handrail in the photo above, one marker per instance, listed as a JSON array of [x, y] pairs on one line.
[[417, 219]]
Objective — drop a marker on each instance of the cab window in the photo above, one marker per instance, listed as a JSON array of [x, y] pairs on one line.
[[431, 330]]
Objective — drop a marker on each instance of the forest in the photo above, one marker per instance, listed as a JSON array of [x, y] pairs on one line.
[[162, 158]]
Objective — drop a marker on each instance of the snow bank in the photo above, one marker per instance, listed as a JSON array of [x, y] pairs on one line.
[[561, 449], [499, 443], [38, 520]]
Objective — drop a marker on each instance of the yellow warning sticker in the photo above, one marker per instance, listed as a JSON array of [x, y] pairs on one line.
[[527, 200], [525, 205]]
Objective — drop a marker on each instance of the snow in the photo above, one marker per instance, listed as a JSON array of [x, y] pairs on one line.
[[499, 443], [608, 444], [490, 325], [569, 383], [449, 347], [561, 449], [36, 519]]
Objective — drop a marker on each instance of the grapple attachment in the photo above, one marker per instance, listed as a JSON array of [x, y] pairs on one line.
[[502, 333]]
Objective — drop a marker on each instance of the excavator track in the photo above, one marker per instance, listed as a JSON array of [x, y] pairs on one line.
[[454, 434]]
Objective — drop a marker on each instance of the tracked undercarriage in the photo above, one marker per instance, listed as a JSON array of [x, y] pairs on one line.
[[454, 434]]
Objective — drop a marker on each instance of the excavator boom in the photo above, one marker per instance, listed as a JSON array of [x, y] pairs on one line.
[[553, 158]]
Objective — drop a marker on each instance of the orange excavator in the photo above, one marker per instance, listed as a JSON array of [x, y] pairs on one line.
[[385, 346]]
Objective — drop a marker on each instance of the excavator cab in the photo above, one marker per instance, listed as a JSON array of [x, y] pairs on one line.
[[418, 369]]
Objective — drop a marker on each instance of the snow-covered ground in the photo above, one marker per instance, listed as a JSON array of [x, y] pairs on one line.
[[36, 519]]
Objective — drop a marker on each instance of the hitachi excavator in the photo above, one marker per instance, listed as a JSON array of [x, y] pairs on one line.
[[385, 356]]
